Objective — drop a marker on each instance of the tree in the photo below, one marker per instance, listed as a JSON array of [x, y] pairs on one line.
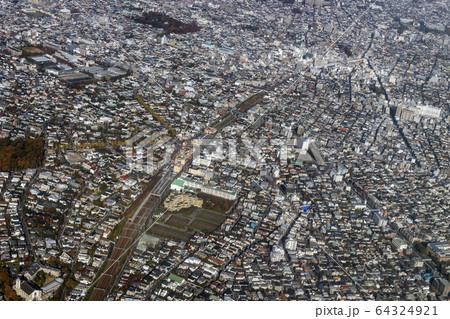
[[103, 187], [5, 285], [421, 247], [98, 202], [169, 24], [21, 154], [10, 294], [40, 278], [71, 284], [4, 277]]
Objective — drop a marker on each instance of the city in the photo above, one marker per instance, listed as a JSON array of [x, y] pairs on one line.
[[224, 150]]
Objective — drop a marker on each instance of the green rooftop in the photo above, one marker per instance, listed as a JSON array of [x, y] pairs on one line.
[[178, 182], [176, 278], [147, 239]]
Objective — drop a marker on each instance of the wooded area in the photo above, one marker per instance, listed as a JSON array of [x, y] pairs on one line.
[[5, 285], [21, 154], [169, 24]]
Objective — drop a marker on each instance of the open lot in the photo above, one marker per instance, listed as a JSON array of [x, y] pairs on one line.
[[169, 232], [178, 221], [182, 224], [209, 216], [202, 225]]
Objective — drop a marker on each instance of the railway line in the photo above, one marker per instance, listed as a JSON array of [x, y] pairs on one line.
[[132, 229]]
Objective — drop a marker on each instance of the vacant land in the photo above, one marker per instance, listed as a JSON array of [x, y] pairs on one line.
[[205, 220], [181, 225], [202, 225], [178, 221], [214, 203], [169, 232], [212, 217]]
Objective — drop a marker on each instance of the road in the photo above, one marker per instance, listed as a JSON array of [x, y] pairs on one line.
[[70, 210], [430, 265], [135, 226], [27, 189], [75, 257]]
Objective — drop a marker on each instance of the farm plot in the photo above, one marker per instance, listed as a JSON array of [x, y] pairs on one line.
[[170, 232], [178, 221], [209, 216], [202, 225]]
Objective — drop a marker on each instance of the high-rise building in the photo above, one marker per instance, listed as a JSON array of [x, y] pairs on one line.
[[317, 3], [441, 285], [408, 111]]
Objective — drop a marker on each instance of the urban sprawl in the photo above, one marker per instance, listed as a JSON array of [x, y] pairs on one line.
[[224, 150]]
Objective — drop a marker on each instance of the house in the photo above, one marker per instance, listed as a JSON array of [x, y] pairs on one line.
[[65, 258], [176, 279]]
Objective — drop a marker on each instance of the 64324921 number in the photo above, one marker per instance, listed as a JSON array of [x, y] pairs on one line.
[[405, 311]]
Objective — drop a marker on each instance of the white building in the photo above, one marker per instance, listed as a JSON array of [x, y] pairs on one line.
[[407, 111], [399, 243], [27, 290], [277, 254], [185, 183], [379, 220]]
